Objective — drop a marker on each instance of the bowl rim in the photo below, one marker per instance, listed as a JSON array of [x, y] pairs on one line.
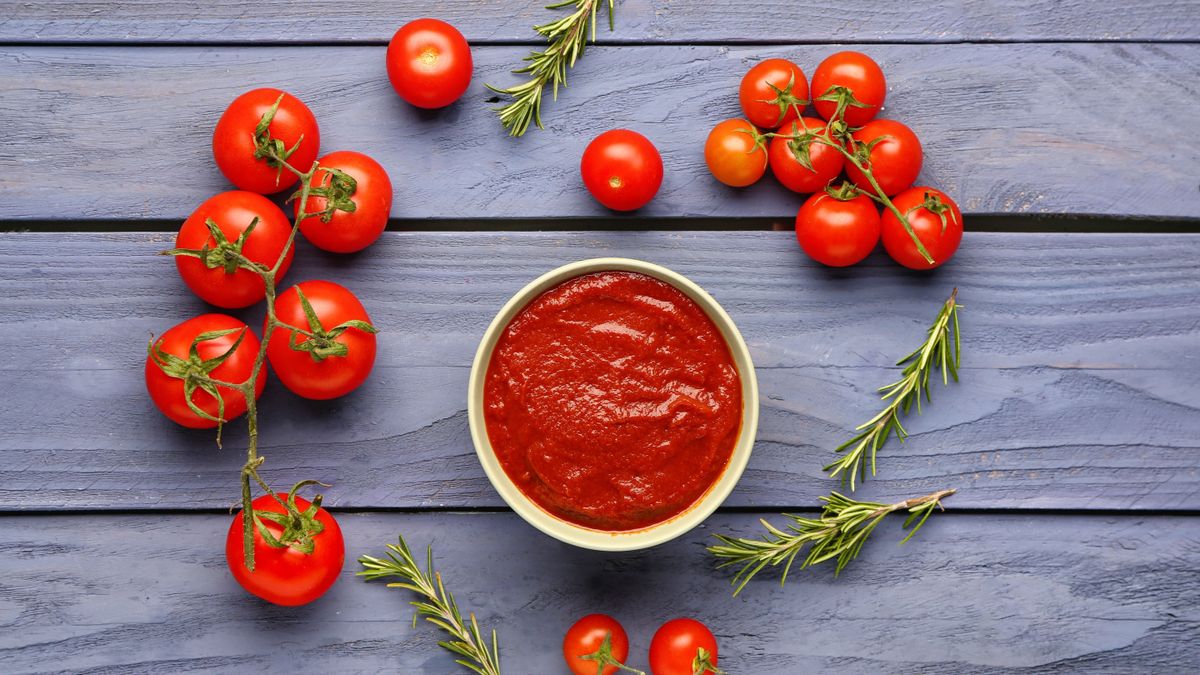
[[579, 535]]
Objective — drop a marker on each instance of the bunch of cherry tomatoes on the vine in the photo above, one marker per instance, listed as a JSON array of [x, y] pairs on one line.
[[318, 339], [881, 158], [598, 643]]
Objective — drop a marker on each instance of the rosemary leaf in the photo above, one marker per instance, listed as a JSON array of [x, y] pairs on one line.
[[567, 38], [941, 349], [437, 605], [838, 534]]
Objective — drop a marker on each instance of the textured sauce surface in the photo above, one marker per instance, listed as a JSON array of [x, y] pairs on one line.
[[612, 401]]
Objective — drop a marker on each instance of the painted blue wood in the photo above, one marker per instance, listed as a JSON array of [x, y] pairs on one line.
[[637, 21], [1078, 390], [125, 133], [972, 593]]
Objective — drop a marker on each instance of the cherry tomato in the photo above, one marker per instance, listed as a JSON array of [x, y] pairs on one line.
[[622, 169], [169, 393], [895, 161], [674, 648], [218, 280], [859, 74], [941, 234], [826, 161], [348, 231], [835, 232], [429, 63], [765, 107], [586, 637], [287, 575], [337, 359], [234, 140], [736, 153]]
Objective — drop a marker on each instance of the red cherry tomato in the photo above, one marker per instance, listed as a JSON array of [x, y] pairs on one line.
[[586, 637], [234, 146], [429, 63], [895, 161], [941, 234], [764, 106], [349, 231], [674, 648], [835, 232], [826, 160], [169, 393], [622, 169], [736, 153], [315, 370], [287, 576], [233, 212], [859, 74]]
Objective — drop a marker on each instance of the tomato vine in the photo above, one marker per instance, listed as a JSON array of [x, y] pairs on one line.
[[299, 526], [837, 135]]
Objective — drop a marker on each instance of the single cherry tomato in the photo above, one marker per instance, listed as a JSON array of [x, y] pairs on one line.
[[683, 647], [772, 92], [855, 73], [826, 161], [338, 357], [173, 363], [586, 638], [736, 153], [895, 160], [935, 219], [217, 279], [344, 230], [429, 63], [622, 169], [287, 575], [235, 140], [837, 232]]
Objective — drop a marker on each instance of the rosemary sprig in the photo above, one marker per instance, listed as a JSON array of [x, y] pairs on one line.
[[838, 534], [437, 605], [567, 37], [941, 348]]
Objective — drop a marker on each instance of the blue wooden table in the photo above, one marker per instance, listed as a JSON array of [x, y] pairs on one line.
[[1064, 128]]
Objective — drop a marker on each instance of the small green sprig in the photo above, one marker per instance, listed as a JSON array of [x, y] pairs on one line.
[[437, 605], [941, 348], [838, 534], [568, 37]]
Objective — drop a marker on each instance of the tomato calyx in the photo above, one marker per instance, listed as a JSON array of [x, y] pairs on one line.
[[759, 138], [226, 254], [703, 663], [784, 98], [603, 657], [844, 98], [194, 371], [322, 344], [845, 192], [272, 149], [299, 527], [934, 204], [337, 194], [801, 144]]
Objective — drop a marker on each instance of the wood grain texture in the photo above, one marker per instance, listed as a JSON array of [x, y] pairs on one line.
[[637, 21], [979, 594], [1008, 129], [1080, 365]]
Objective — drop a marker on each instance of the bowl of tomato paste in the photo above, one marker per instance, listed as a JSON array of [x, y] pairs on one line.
[[613, 404]]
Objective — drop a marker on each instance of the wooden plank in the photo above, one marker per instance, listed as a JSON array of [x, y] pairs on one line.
[[1078, 390], [358, 21], [980, 594], [991, 118]]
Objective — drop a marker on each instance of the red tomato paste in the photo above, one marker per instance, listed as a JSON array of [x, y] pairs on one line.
[[612, 401]]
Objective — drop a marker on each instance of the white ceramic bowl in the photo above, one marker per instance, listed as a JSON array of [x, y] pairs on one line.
[[579, 535]]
